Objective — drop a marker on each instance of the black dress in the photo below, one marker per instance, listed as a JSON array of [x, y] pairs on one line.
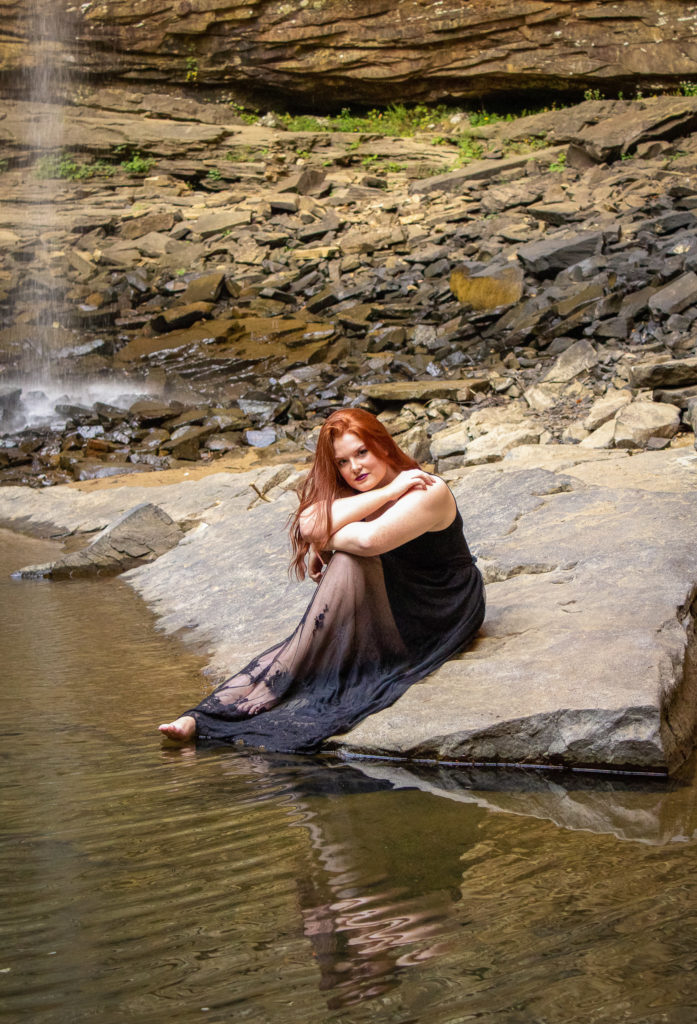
[[374, 626]]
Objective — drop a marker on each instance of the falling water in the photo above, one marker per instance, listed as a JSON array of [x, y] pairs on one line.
[[43, 386], [48, 82]]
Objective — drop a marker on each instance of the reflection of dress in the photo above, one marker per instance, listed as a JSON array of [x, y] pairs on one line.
[[374, 626]]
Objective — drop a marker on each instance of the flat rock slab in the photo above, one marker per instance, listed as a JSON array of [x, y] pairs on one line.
[[587, 657], [423, 390], [139, 535]]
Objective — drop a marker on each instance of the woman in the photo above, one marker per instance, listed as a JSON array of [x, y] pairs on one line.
[[398, 594]]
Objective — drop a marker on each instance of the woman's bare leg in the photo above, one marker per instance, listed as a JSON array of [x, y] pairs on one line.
[[180, 731]]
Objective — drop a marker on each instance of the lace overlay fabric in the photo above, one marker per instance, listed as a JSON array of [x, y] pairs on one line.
[[373, 627]]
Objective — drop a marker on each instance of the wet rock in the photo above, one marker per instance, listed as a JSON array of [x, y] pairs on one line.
[[149, 410], [179, 317], [152, 440], [205, 333], [637, 423], [224, 442], [186, 441], [207, 288], [96, 469], [9, 407], [139, 535], [109, 415], [226, 419]]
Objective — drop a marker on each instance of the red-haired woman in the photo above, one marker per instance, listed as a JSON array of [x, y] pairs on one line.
[[398, 594]]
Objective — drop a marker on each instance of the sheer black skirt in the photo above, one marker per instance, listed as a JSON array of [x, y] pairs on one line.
[[356, 650]]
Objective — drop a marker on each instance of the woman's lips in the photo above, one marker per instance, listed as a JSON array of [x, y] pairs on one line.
[[360, 478]]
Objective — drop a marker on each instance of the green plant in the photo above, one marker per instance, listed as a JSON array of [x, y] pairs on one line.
[[137, 164], [593, 94], [65, 166], [638, 95], [527, 145], [688, 88], [627, 156], [191, 69], [468, 149], [4, 165], [393, 168], [214, 174], [370, 159], [248, 116], [301, 123], [559, 164], [480, 118]]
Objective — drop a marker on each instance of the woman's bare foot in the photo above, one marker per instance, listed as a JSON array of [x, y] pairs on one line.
[[259, 698], [181, 731]]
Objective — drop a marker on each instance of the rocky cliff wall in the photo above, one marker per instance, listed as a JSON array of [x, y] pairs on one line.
[[324, 53]]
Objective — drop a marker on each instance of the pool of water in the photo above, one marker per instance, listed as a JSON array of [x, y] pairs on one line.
[[142, 884]]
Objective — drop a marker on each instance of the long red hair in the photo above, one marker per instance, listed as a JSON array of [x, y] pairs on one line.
[[324, 483]]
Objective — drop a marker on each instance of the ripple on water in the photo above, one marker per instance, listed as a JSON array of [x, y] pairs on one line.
[[143, 884]]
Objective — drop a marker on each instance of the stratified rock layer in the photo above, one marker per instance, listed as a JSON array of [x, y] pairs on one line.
[[332, 51]]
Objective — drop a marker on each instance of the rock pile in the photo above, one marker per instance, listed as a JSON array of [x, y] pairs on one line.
[[545, 292]]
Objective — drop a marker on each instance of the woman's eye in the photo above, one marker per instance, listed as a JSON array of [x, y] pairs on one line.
[[363, 451]]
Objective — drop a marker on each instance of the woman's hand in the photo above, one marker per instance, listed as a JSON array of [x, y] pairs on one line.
[[315, 563], [408, 480]]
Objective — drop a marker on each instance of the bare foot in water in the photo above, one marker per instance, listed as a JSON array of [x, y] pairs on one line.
[[181, 731]]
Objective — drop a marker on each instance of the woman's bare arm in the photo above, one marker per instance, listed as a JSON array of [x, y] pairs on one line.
[[416, 512], [355, 507]]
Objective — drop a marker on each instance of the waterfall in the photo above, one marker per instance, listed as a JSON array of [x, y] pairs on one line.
[[48, 80], [44, 383]]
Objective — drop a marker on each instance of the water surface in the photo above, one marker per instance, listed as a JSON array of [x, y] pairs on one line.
[[146, 885]]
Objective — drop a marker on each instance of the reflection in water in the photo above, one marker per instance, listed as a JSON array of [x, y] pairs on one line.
[[640, 809], [162, 886], [373, 904]]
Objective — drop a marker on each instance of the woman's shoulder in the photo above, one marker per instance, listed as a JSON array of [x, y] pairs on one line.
[[440, 491], [438, 499]]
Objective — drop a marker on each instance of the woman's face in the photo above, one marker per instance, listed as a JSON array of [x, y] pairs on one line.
[[361, 468]]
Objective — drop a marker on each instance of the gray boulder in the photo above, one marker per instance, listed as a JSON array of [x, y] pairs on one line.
[[140, 535]]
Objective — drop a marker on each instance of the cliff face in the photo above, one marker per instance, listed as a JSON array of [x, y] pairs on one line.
[[326, 52]]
